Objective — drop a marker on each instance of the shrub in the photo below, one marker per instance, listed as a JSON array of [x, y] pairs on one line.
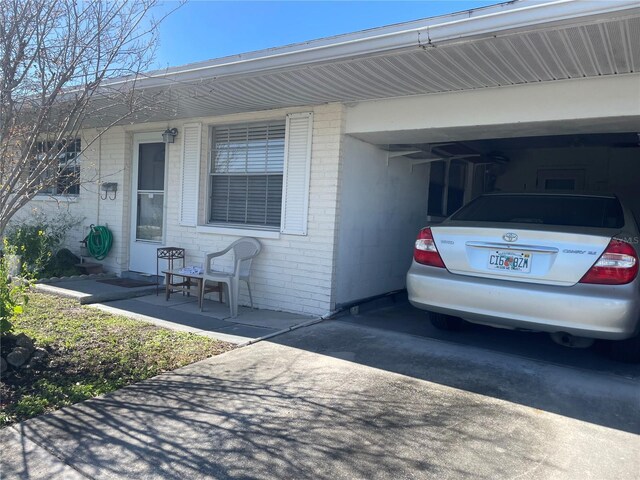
[[37, 240]]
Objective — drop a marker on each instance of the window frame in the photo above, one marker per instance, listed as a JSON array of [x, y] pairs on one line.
[[73, 164], [210, 226]]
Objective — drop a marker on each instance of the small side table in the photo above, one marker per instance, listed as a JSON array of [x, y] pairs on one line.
[[170, 254], [189, 279]]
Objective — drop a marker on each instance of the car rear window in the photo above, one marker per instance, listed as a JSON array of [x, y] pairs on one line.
[[575, 211]]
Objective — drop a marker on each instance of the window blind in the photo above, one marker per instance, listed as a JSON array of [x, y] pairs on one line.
[[247, 163]]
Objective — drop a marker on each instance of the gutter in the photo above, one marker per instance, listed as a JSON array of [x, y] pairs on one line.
[[450, 30]]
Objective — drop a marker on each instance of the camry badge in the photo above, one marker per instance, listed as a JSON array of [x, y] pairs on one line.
[[510, 237]]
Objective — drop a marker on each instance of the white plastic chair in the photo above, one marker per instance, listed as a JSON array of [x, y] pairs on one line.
[[244, 250]]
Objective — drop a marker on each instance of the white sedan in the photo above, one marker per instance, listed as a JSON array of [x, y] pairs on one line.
[[566, 264]]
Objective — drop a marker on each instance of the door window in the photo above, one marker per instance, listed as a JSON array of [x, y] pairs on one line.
[[150, 195]]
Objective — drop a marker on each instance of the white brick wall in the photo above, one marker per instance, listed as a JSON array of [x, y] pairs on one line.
[[377, 232], [293, 273]]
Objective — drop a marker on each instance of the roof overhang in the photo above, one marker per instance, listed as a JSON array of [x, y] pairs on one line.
[[507, 44]]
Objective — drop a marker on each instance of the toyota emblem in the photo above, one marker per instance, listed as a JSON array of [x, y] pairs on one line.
[[510, 237]]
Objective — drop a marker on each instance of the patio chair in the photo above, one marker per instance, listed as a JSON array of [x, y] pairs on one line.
[[244, 250]]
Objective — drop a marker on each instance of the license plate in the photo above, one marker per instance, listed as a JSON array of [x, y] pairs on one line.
[[510, 261]]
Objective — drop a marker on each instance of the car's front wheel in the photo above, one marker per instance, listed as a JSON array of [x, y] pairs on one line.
[[446, 322], [627, 351]]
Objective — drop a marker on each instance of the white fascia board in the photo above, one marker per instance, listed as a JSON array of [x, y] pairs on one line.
[[392, 120], [448, 28]]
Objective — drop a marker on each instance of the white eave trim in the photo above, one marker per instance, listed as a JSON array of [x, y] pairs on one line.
[[490, 20]]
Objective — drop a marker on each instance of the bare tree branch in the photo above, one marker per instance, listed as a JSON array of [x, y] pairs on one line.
[[56, 58]]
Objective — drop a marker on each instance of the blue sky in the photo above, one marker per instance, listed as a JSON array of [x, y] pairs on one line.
[[201, 30]]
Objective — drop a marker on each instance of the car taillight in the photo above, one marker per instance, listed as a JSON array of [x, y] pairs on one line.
[[425, 251], [616, 266]]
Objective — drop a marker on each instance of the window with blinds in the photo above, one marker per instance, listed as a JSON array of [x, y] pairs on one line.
[[247, 163]]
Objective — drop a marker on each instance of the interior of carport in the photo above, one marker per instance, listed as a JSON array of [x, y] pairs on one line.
[[440, 177], [390, 190], [460, 171]]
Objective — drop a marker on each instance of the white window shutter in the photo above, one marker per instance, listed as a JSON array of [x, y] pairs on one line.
[[297, 169], [191, 144]]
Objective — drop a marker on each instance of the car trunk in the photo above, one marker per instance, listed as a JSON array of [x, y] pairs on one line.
[[542, 255]]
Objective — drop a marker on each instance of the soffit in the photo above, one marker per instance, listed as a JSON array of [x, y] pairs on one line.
[[590, 49]]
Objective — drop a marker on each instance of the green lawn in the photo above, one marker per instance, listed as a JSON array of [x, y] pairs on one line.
[[90, 353]]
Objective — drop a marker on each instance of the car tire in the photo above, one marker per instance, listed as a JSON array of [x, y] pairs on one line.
[[627, 351], [446, 322]]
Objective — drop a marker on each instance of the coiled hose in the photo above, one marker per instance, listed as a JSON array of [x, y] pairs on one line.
[[99, 241]]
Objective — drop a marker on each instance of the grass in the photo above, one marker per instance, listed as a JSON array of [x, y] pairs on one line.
[[90, 353]]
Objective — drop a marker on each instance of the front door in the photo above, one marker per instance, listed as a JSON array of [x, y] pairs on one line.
[[148, 202]]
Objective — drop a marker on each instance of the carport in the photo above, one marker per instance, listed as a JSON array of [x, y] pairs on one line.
[[414, 160], [575, 135]]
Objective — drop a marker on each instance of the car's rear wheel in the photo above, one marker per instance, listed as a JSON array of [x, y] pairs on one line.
[[446, 322], [627, 351]]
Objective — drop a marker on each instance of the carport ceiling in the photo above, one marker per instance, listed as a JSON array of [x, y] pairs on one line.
[[492, 150], [612, 140], [587, 47]]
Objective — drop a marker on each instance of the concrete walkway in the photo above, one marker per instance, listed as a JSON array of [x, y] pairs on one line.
[[93, 290], [336, 400], [182, 313]]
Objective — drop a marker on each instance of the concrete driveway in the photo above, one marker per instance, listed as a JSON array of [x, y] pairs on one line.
[[395, 314], [338, 400]]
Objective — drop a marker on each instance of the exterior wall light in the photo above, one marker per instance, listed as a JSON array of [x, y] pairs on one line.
[[169, 135]]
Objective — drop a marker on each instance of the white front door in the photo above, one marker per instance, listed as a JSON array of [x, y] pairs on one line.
[[147, 202]]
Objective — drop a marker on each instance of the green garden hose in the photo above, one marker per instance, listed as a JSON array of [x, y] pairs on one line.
[[99, 241]]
